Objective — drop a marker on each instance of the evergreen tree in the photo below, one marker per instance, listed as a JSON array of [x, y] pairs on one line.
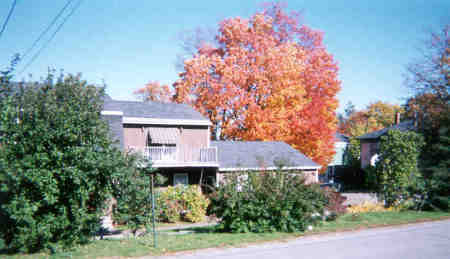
[[429, 77], [438, 184]]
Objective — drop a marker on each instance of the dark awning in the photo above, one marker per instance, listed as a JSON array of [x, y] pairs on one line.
[[160, 135]]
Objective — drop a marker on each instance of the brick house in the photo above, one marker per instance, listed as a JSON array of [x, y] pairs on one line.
[[370, 142]]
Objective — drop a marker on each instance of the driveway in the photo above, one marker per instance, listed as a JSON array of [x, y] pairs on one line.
[[429, 240]]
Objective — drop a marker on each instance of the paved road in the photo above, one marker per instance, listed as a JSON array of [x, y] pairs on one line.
[[429, 240]]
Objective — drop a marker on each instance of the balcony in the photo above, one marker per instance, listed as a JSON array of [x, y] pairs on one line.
[[179, 156]]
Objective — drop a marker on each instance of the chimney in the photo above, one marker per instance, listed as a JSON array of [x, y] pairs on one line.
[[397, 118]]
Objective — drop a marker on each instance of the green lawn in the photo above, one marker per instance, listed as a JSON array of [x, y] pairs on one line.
[[204, 237], [377, 219]]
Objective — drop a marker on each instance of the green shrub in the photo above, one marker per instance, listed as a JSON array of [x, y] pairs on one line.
[[194, 204], [397, 166], [182, 202], [439, 189], [132, 193], [262, 202], [169, 204], [57, 163], [371, 178], [349, 178]]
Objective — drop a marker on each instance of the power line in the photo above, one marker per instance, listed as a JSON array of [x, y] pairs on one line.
[[46, 29], [51, 38], [7, 17]]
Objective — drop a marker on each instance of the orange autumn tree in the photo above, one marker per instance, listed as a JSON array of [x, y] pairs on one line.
[[266, 78], [375, 116], [154, 91], [427, 108]]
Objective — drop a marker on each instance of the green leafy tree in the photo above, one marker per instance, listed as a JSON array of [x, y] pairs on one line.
[[57, 164], [352, 153], [132, 192], [397, 166], [6, 87], [5, 92]]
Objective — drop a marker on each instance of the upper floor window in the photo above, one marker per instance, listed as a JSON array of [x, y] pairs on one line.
[[374, 148], [159, 136]]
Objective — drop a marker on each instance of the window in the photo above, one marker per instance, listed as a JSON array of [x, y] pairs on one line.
[[161, 151], [373, 148], [211, 180], [180, 179]]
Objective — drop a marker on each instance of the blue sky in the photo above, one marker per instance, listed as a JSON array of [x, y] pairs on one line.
[[128, 43]]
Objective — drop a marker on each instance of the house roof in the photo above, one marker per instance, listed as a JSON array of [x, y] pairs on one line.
[[135, 109], [403, 126], [154, 110], [255, 155]]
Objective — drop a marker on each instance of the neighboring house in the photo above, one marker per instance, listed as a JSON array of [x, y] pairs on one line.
[[370, 142], [176, 139], [341, 143]]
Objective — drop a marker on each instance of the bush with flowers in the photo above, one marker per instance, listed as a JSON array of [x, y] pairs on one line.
[[180, 202], [369, 207]]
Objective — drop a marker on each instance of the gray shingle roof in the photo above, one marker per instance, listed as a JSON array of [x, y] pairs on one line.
[[260, 154], [403, 126], [153, 110]]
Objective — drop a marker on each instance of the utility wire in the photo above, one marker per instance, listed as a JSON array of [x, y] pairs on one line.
[[7, 17], [51, 38], [46, 30]]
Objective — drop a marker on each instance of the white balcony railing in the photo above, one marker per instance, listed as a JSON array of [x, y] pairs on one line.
[[178, 156], [154, 154]]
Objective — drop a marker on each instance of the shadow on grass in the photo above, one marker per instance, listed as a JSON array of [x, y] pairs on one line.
[[5, 251], [198, 230]]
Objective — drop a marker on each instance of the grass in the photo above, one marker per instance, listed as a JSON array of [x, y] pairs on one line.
[[377, 219], [205, 237]]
